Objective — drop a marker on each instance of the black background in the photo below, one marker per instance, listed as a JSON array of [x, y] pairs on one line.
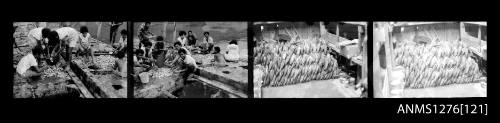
[[235, 110]]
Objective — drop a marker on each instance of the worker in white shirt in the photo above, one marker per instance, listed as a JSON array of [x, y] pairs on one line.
[[37, 38], [28, 65], [189, 66], [232, 54], [182, 38], [70, 37], [177, 58], [122, 42], [84, 47]]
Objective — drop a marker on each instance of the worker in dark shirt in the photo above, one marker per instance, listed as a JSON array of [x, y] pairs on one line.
[[159, 54], [191, 38]]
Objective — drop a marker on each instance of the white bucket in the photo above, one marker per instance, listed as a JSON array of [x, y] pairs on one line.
[[144, 77]]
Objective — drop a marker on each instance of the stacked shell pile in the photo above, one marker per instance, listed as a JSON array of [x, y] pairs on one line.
[[302, 59], [436, 64], [55, 71]]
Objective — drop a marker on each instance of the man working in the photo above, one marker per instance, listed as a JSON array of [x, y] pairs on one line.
[[28, 65], [188, 67], [38, 39], [69, 37]]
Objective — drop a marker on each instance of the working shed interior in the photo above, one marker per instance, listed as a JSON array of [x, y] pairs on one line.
[[429, 59], [301, 59]]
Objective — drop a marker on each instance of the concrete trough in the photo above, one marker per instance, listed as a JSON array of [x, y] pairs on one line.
[[93, 84], [232, 78]]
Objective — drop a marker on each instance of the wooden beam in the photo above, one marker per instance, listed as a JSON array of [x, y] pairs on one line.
[[479, 32], [165, 30], [365, 54], [388, 56], [276, 32], [462, 31], [355, 23], [479, 37], [417, 23], [477, 23], [322, 29], [175, 31], [359, 32], [337, 31], [99, 29]]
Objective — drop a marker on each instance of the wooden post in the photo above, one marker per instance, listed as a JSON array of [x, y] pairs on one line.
[[99, 30], [462, 31], [175, 31], [322, 29], [479, 35], [365, 54], [337, 32], [388, 57], [165, 30], [359, 32], [276, 32], [378, 83], [360, 50]]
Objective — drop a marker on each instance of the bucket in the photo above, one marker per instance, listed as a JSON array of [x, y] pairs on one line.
[[144, 77]]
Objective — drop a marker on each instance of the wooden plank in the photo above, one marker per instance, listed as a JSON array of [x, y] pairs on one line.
[[359, 34], [417, 23], [462, 32], [479, 36], [337, 31], [355, 23], [388, 56], [165, 29], [364, 66], [86, 93], [271, 22], [322, 28], [477, 23], [173, 34], [99, 28], [220, 86]]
